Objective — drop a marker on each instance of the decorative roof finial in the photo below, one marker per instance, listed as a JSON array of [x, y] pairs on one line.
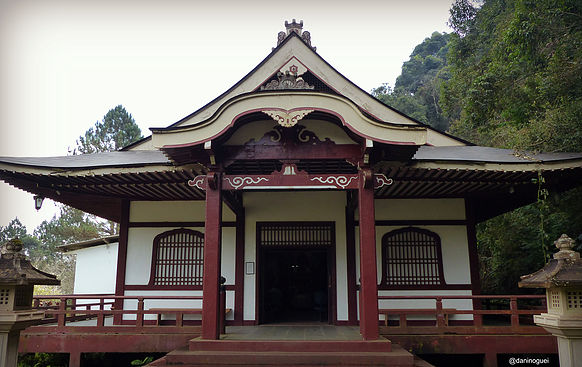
[[297, 28], [565, 244], [294, 27]]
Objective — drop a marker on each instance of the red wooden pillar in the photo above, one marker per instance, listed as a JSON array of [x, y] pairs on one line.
[[239, 268], [121, 260], [473, 259], [212, 244], [351, 262], [368, 272]]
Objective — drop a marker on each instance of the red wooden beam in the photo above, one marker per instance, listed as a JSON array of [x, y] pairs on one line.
[[324, 181], [290, 177], [212, 244], [368, 272]]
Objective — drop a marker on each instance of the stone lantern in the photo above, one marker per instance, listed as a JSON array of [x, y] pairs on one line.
[[562, 278], [17, 280]]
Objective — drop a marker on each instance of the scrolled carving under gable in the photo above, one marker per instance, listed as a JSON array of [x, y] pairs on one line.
[[285, 81], [287, 118]]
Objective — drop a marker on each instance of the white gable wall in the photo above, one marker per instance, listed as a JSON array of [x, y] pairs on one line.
[[257, 129], [95, 269]]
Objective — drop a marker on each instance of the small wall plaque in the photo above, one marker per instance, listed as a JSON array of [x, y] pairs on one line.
[[250, 268]]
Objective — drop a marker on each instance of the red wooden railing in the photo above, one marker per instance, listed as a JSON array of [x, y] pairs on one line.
[[478, 313], [63, 310], [66, 309]]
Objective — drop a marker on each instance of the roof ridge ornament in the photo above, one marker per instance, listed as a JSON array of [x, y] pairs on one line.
[[287, 80], [297, 28]]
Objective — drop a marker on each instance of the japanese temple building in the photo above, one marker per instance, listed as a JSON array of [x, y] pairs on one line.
[[315, 201]]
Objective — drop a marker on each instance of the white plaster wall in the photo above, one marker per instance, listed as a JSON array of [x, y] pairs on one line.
[[164, 303], [454, 247], [455, 251], [173, 211], [427, 209], [140, 249], [95, 269], [327, 130], [296, 206], [251, 131]]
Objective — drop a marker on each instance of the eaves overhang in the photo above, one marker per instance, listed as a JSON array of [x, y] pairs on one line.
[[89, 243]]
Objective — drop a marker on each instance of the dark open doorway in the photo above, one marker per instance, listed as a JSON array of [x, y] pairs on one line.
[[296, 272], [295, 285]]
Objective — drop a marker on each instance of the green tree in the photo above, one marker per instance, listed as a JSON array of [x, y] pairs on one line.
[[117, 130], [462, 17], [70, 226], [14, 229], [417, 89], [405, 103]]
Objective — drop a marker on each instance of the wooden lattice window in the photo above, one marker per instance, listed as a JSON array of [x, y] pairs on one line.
[[178, 258], [296, 234], [412, 259]]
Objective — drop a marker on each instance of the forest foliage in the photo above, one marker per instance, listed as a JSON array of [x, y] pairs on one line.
[[509, 76]]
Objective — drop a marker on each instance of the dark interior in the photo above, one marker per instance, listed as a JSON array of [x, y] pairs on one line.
[[294, 285]]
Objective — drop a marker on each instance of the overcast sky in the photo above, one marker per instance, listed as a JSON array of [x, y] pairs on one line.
[[65, 63]]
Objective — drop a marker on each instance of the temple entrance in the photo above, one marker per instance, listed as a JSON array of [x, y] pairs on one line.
[[296, 273]]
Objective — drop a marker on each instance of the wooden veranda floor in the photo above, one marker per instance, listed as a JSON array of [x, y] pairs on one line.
[[292, 332]]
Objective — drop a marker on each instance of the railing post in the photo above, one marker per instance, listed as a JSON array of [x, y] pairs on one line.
[[101, 319], [402, 320], [179, 319], [102, 304], [62, 314], [222, 306], [514, 314], [477, 320], [139, 316], [440, 318]]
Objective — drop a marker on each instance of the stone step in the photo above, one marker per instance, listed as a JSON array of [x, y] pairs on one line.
[[398, 357], [380, 345]]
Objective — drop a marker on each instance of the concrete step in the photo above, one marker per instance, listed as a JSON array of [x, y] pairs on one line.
[[380, 345], [398, 357]]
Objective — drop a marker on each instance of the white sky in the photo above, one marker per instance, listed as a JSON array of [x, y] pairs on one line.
[[65, 63]]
